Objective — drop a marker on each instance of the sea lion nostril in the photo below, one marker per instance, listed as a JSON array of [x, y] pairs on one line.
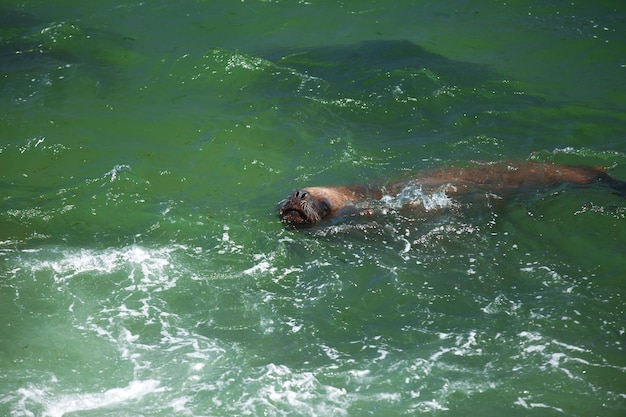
[[300, 194]]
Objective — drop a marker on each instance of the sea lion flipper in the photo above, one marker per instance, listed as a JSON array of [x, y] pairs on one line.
[[617, 186]]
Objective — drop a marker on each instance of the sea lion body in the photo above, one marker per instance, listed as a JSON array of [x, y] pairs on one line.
[[512, 177], [311, 205]]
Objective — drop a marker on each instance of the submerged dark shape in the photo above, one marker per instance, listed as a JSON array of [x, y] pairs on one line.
[[33, 43], [398, 84], [312, 205], [356, 63]]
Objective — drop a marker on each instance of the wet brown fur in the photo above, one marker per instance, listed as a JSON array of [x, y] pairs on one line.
[[311, 205]]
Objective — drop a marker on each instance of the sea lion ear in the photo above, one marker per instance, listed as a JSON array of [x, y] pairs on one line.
[[324, 206]]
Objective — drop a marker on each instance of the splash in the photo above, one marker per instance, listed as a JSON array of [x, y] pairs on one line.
[[413, 195]]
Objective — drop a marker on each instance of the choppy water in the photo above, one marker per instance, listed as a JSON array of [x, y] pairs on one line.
[[144, 146]]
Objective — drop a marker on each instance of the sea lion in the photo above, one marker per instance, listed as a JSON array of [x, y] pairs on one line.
[[312, 205]]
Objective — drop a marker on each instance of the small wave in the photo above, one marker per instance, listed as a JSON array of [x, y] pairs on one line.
[[116, 170]]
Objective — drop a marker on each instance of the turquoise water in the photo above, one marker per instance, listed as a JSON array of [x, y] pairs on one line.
[[143, 149]]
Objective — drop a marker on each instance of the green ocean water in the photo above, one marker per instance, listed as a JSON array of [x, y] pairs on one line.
[[144, 147]]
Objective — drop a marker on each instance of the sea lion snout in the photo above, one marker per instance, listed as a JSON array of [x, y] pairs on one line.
[[308, 206], [300, 208]]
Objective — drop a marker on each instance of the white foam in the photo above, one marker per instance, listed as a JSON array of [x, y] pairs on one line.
[[263, 264], [260, 267], [413, 195], [179, 405], [116, 169], [529, 405], [60, 405], [227, 245], [246, 62], [464, 346], [149, 268], [281, 389], [432, 405]]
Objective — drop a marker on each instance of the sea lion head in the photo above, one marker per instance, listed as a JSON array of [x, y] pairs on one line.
[[309, 206]]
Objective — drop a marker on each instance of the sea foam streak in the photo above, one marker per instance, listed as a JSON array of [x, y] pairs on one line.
[[148, 264], [58, 406]]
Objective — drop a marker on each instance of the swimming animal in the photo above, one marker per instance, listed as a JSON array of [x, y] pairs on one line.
[[312, 205]]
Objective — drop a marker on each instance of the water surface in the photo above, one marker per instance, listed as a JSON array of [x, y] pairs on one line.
[[143, 149]]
